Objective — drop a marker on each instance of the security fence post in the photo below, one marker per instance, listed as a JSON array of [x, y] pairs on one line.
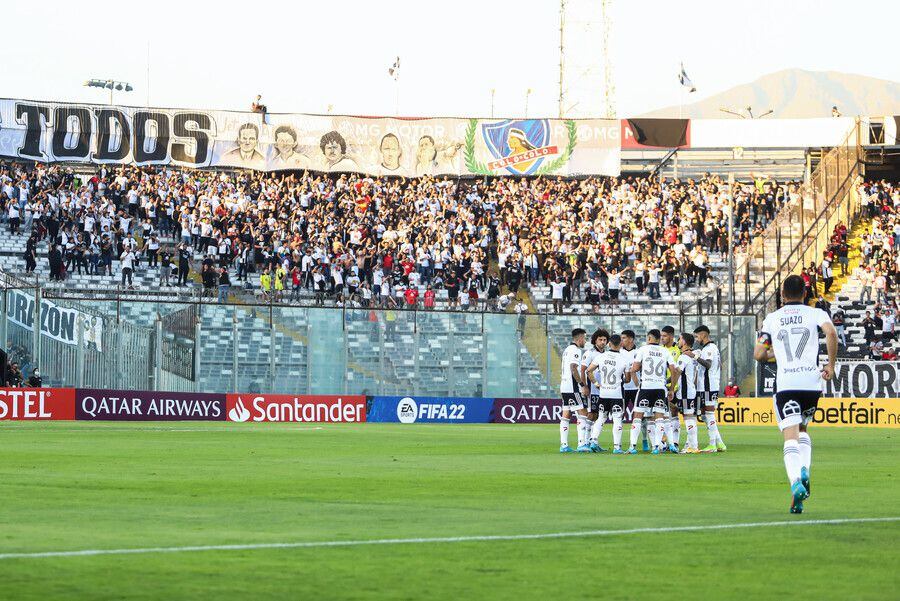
[[234, 354], [198, 331], [36, 329], [79, 351], [157, 354]]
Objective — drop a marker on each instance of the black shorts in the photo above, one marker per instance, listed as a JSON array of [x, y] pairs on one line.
[[609, 406], [651, 400], [613, 294], [708, 398], [687, 406], [571, 401], [795, 407], [628, 396], [592, 298]]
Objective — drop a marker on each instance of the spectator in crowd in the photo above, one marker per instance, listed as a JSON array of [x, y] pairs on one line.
[[837, 318], [224, 285], [869, 326], [732, 390], [257, 106], [35, 380], [887, 325], [826, 272], [824, 305]]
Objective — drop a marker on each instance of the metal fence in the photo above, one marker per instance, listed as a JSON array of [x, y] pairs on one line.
[[801, 231], [123, 343]]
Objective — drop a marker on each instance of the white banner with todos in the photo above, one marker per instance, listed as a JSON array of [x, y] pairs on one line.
[[410, 147]]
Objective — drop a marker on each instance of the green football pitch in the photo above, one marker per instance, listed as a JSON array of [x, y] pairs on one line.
[[157, 490]]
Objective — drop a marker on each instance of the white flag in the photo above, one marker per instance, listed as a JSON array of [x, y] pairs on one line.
[[685, 80], [394, 70]]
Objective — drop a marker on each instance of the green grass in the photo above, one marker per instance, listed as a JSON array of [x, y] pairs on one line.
[[71, 486]]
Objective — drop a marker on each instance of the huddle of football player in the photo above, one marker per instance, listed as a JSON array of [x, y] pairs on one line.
[[658, 381]]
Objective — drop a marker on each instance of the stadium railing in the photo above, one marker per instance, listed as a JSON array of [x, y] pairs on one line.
[[126, 342]]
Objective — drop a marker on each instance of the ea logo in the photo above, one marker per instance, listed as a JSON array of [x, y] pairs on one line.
[[791, 408], [407, 410]]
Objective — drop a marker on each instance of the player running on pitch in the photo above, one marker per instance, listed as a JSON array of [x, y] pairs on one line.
[[790, 335], [570, 384], [608, 372], [651, 362]]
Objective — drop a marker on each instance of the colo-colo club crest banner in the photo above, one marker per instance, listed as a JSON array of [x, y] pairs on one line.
[[51, 131]]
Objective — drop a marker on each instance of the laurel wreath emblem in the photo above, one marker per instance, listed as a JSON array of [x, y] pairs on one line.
[[477, 167]]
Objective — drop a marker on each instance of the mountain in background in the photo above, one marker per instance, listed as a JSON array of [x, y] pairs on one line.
[[795, 93]]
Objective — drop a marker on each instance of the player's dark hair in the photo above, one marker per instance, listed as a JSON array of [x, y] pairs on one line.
[[669, 330], [615, 340], [600, 333], [701, 328], [688, 338], [654, 333], [629, 333], [577, 332], [793, 288]]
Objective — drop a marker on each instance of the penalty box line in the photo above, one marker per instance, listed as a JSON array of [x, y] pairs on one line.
[[450, 539]]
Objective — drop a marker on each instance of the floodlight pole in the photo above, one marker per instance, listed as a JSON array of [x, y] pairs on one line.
[[562, 56]]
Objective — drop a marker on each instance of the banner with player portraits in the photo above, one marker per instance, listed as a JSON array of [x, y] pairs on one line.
[[410, 147]]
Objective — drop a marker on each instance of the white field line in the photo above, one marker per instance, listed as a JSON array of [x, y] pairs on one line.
[[451, 539]]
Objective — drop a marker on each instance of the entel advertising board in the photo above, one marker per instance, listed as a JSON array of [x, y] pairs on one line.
[[37, 403], [430, 410], [295, 408]]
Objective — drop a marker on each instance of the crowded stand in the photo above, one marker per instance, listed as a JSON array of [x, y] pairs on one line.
[[866, 307], [365, 241]]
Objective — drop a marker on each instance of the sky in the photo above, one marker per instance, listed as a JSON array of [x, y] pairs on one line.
[[333, 56]]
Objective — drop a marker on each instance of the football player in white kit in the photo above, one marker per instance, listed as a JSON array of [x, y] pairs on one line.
[[570, 384], [608, 372], [651, 361], [790, 335], [592, 424], [630, 389], [709, 378], [686, 391]]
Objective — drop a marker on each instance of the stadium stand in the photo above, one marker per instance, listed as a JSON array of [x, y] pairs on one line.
[[495, 234], [873, 285]]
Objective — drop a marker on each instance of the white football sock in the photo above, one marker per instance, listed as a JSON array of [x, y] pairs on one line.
[[659, 431], [581, 434], [711, 426], [667, 427], [690, 424], [792, 460], [635, 430], [617, 431], [588, 426], [597, 427], [805, 450], [563, 432], [676, 430], [651, 430]]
